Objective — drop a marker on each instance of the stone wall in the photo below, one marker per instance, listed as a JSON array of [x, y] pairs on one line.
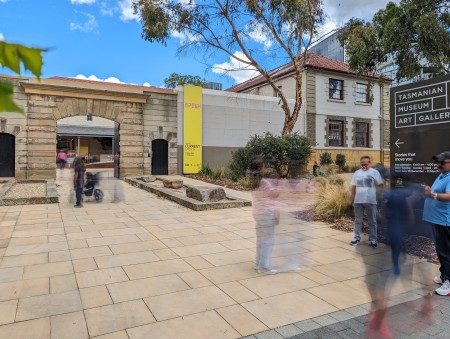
[[143, 116], [160, 122], [16, 124]]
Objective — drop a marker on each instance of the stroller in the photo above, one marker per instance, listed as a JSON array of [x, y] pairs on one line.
[[92, 181]]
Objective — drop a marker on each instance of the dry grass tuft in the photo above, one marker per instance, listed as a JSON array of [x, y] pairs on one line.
[[333, 201]]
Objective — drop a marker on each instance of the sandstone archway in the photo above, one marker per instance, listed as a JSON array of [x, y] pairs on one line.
[[47, 103]]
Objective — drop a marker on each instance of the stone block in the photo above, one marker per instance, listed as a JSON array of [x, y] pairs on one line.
[[172, 183], [206, 194], [147, 178]]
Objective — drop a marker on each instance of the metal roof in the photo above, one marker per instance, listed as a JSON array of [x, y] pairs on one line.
[[85, 131]]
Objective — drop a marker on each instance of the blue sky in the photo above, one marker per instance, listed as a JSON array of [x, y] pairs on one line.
[[102, 38]]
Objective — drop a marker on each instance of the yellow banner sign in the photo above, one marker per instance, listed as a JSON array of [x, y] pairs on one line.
[[192, 147]]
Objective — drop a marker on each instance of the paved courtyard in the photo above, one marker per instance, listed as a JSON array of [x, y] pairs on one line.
[[138, 266]]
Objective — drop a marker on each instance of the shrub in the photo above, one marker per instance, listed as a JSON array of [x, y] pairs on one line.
[[219, 173], [248, 182], [270, 173], [325, 158], [321, 180], [296, 168], [333, 201], [276, 151], [206, 171], [354, 168], [241, 160], [331, 169], [336, 180], [340, 161]]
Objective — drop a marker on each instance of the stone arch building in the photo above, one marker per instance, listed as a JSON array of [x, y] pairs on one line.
[[143, 113]]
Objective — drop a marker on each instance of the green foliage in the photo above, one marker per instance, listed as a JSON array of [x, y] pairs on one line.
[[407, 32], [206, 171], [12, 56], [7, 104], [248, 182], [276, 151], [340, 161], [333, 200], [354, 168], [240, 162], [176, 79], [325, 158], [219, 173]]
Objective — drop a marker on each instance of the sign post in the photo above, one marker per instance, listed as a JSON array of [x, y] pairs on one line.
[[192, 122], [420, 127]]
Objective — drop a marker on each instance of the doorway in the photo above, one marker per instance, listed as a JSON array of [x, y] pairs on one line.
[[7, 155], [160, 157]]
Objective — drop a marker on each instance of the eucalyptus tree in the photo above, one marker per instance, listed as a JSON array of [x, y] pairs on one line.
[[283, 28], [175, 79], [411, 33]]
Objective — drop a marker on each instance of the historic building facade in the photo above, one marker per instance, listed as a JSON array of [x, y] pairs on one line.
[[344, 113], [146, 116]]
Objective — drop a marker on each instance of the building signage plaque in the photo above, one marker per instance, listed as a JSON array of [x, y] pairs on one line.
[[420, 127]]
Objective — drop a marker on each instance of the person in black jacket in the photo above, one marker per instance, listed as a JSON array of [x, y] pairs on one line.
[[79, 178]]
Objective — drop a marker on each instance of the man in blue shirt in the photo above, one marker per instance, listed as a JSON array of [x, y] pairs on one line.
[[437, 212]]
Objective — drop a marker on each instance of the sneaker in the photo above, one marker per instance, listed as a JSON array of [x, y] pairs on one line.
[[373, 244], [354, 242], [438, 279], [78, 205], [444, 289]]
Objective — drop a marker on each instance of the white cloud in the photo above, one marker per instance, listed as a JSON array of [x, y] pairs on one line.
[[259, 35], [81, 2], [95, 78], [87, 26], [126, 10], [114, 80], [235, 69], [184, 37], [339, 12], [2, 37], [105, 9]]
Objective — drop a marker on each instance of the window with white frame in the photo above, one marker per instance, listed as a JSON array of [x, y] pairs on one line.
[[362, 134], [336, 133], [89, 118], [362, 92], [336, 89]]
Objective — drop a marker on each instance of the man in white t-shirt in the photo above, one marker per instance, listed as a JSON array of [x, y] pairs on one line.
[[364, 197]]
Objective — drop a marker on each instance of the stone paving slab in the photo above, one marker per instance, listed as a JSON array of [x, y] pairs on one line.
[[139, 266]]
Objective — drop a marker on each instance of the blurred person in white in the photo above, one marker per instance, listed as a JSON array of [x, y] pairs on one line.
[[364, 198], [266, 217]]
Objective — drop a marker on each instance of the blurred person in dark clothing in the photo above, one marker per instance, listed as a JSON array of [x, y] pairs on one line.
[[79, 178]]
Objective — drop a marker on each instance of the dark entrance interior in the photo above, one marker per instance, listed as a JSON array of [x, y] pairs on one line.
[[116, 150], [160, 157], [7, 155]]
